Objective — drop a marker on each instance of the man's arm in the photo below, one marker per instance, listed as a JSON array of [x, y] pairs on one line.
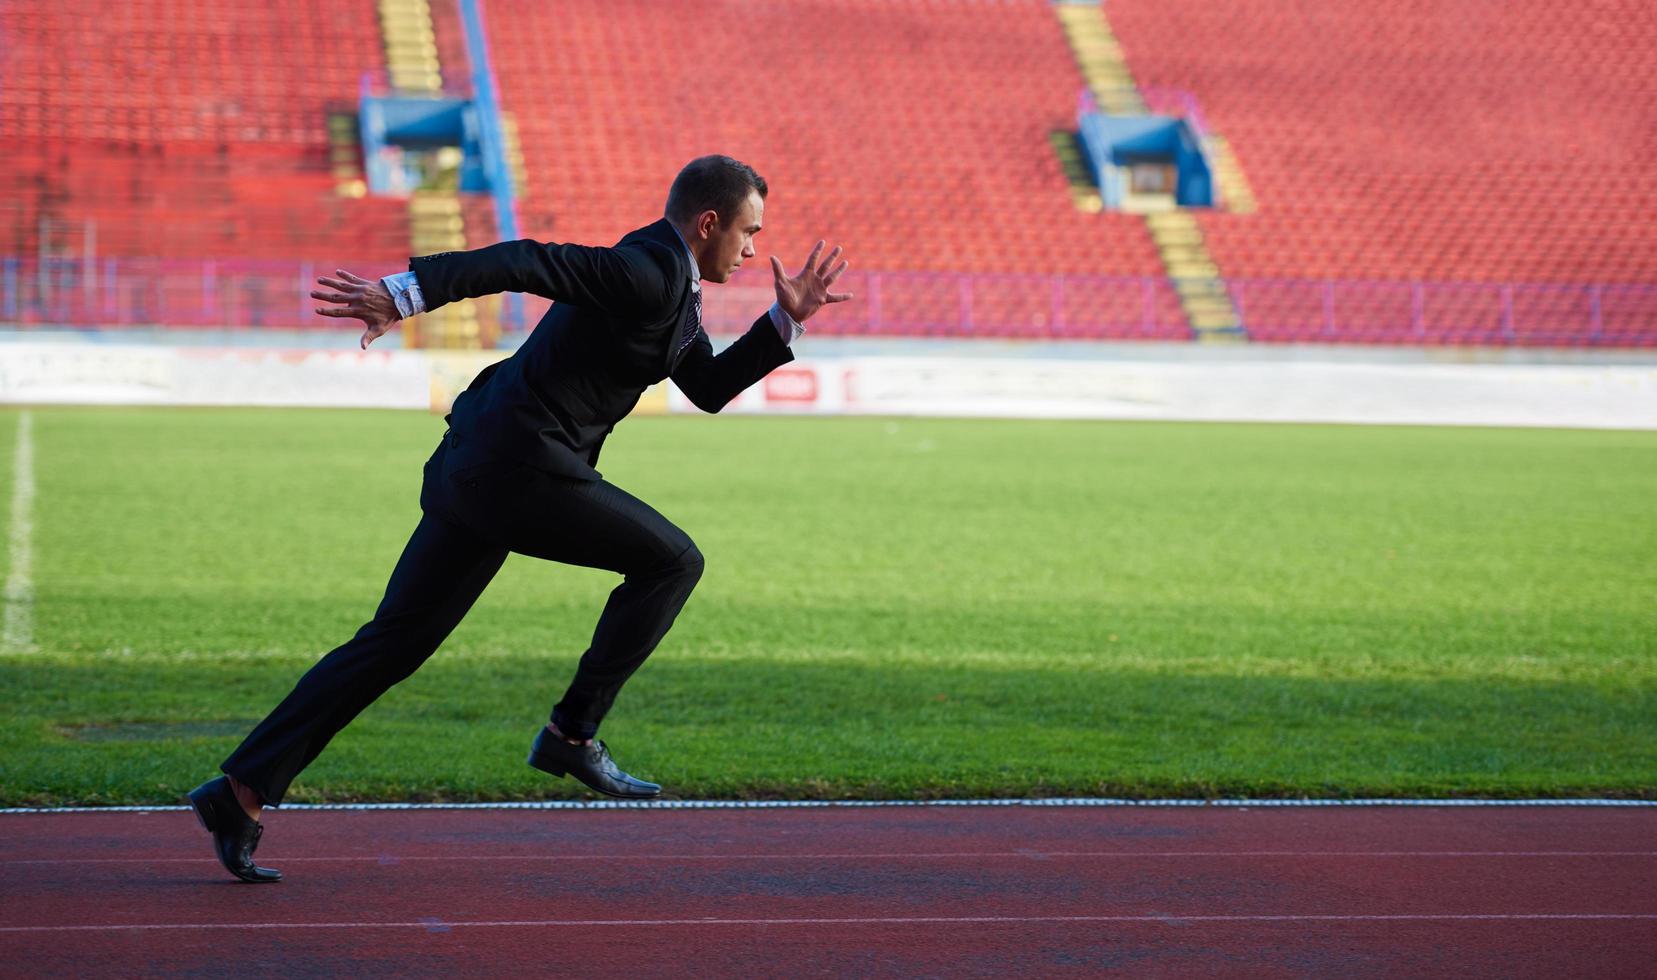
[[624, 281], [710, 381]]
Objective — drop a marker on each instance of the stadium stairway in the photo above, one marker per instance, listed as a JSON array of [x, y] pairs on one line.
[[1203, 297], [1236, 195], [1084, 193], [437, 221]]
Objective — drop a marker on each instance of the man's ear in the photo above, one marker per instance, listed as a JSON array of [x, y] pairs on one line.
[[706, 222]]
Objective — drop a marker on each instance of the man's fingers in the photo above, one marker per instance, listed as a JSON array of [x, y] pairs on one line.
[[358, 280], [777, 269], [828, 263], [839, 297], [828, 280], [333, 283], [335, 311], [330, 297], [811, 259]]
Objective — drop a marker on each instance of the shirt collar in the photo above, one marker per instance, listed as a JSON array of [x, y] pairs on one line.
[[695, 276]]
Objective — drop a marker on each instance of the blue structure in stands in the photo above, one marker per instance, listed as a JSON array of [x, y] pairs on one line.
[[419, 124], [1113, 145]]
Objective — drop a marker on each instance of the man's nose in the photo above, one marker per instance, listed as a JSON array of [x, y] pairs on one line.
[[748, 250]]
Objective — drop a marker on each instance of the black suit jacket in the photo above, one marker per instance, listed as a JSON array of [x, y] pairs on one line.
[[614, 329]]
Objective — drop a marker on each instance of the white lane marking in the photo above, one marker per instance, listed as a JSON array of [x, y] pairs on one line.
[[1028, 855], [1168, 918], [862, 804], [18, 632]]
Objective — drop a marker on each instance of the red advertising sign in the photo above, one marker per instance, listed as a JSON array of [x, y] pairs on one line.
[[794, 386]]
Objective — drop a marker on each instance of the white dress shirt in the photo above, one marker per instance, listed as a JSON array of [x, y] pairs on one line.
[[405, 292]]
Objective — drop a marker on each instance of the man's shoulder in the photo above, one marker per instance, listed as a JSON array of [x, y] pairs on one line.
[[659, 246], [660, 241]]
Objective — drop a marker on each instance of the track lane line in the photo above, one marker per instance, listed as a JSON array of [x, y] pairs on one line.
[[389, 858], [436, 924]]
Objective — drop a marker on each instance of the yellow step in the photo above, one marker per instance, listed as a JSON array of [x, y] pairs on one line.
[[1121, 107], [1099, 53], [1228, 322], [423, 80], [1173, 222], [431, 246], [1176, 237], [434, 203], [403, 61], [396, 37], [1200, 289], [434, 233], [1205, 308], [1104, 75], [411, 23], [410, 53], [1193, 270], [1185, 255]]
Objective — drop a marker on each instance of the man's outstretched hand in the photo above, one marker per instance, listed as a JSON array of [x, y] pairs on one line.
[[366, 300], [808, 292]]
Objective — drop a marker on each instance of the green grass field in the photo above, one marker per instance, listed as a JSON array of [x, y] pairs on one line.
[[892, 608]]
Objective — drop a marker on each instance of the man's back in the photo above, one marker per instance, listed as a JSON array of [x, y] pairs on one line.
[[612, 333]]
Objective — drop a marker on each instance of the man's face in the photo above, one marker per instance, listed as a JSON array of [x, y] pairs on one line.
[[733, 240]]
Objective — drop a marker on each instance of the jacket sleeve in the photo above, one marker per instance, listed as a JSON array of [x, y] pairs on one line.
[[626, 281], [710, 381]]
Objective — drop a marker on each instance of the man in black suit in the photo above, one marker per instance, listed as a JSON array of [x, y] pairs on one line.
[[514, 472]]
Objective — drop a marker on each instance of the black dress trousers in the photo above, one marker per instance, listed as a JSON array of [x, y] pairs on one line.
[[472, 517]]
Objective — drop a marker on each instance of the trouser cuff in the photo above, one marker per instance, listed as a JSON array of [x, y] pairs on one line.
[[575, 728]]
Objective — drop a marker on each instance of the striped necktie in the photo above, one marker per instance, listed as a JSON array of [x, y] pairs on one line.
[[693, 322]]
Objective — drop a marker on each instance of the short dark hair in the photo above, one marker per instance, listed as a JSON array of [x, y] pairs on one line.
[[712, 183]]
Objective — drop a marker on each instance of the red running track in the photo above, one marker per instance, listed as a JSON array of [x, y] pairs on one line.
[[884, 891]]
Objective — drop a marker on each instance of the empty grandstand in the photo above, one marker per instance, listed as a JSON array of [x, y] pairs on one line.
[[1406, 172]]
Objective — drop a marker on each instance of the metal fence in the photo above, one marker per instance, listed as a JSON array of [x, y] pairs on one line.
[[112, 293]]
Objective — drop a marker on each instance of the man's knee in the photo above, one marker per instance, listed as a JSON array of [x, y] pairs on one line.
[[681, 561], [688, 566]]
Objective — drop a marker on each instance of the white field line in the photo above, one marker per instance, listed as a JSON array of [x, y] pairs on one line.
[[391, 859], [18, 632], [443, 925]]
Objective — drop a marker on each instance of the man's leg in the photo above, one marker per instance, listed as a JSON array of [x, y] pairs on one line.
[[443, 570], [662, 565], [598, 525]]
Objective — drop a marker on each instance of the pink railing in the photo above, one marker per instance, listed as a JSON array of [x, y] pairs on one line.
[[226, 294]]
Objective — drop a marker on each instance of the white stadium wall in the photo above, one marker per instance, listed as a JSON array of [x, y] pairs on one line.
[[1230, 388]]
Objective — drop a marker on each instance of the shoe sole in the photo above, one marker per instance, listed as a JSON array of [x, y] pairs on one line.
[[551, 768]]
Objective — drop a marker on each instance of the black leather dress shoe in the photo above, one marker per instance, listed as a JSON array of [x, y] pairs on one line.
[[591, 764], [235, 834]]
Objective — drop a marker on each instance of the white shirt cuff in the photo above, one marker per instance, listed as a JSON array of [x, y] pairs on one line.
[[405, 292], [788, 328]]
